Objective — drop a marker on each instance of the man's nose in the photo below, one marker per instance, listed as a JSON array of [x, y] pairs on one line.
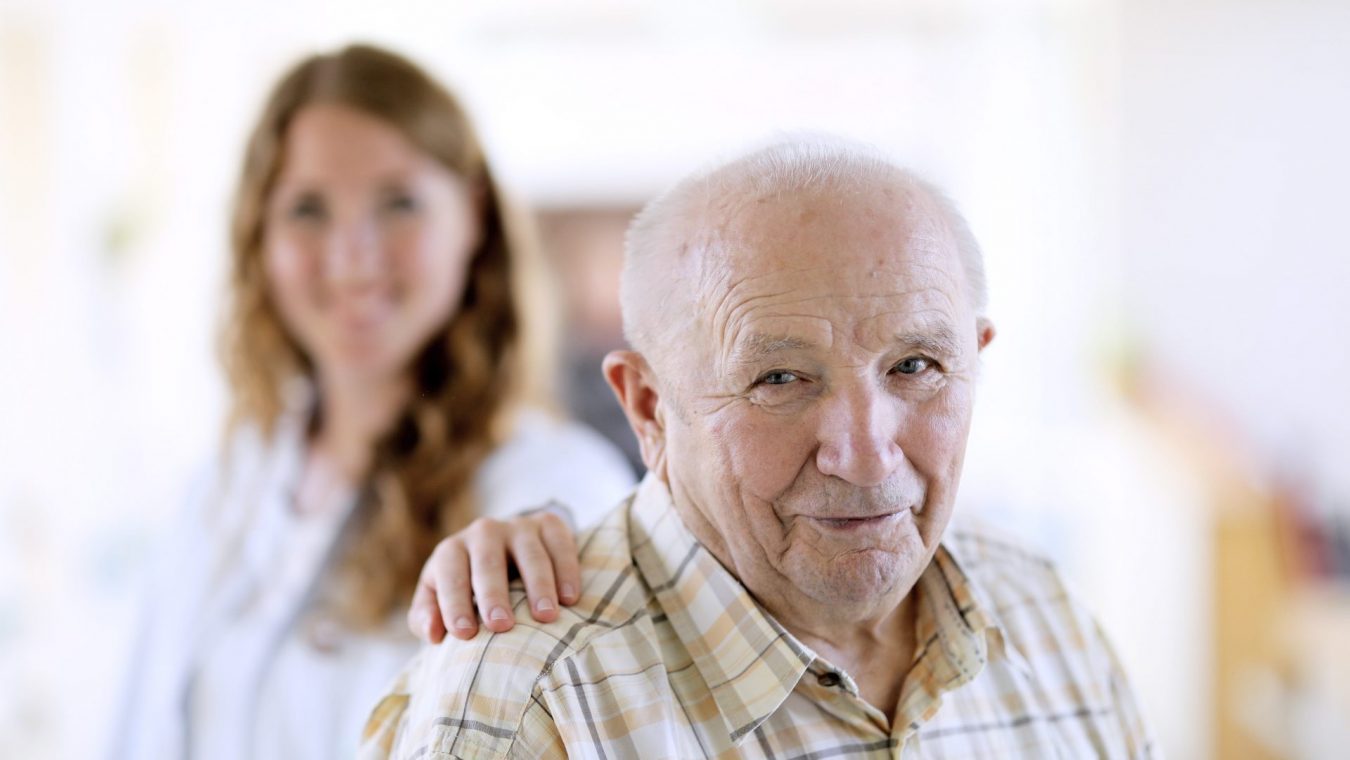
[[859, 428], [354, 252]]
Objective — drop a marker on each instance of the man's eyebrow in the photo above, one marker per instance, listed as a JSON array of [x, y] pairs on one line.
[[761, 346], [938, 339]]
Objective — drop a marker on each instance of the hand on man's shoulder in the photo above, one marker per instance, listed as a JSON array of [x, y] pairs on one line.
[[471, 698]]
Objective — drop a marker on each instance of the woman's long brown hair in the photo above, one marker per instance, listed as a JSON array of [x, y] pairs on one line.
[[468, 377]]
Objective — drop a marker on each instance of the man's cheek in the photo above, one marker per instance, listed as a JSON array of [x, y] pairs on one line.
[[766, 461], [938, 439]]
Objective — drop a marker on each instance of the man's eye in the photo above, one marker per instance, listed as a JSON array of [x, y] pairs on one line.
[[778, 377], [913, 365]]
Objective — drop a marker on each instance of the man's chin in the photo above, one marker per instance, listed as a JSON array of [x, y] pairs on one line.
[[863, 579]]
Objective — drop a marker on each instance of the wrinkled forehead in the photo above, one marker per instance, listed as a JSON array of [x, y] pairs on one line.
[[880, 218], [833, 268], [866, 238]]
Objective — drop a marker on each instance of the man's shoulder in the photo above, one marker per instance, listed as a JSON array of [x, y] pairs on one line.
[[470, 697], [612, 593], [1008, 571], [1023, 593], [1050, 634]]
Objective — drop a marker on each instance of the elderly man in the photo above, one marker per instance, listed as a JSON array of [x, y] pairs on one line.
[[805, 323]]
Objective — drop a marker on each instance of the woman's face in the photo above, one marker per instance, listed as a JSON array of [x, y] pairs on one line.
[[366, 243]]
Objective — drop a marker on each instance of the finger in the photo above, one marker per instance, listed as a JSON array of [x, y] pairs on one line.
[[561, 545], [449, 571], [536, 570], [487, 561], [424, 620]]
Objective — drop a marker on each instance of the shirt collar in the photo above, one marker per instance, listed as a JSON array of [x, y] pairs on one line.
[[750, 662], [957, 606]]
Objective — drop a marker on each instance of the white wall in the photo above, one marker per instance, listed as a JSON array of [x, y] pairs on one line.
[[1237, 252]]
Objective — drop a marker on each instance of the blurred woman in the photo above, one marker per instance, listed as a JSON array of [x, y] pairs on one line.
[[388, 386]]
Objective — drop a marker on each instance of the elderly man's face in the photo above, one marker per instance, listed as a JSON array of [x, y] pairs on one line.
[[818, 422]]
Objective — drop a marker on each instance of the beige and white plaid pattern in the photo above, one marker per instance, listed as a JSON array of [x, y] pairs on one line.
[[668, 656]]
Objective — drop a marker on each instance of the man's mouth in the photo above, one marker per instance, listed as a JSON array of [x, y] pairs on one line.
[[861, 523]]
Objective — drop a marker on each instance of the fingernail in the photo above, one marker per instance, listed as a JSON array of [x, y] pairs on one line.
[[545, 605], [463, 623], [499, 615], [569, 591]]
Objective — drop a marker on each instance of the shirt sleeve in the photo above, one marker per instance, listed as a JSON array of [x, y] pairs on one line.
[[462, 699], [538, 735]]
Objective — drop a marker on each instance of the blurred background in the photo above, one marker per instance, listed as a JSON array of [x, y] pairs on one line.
[[1160, 188]]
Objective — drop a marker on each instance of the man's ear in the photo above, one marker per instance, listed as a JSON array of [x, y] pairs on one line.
[[984, 332], [631, 378]]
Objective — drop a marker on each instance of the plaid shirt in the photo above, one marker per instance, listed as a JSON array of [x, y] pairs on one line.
[[668, 656]]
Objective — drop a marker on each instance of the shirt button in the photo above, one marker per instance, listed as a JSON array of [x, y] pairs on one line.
[[828, 680]]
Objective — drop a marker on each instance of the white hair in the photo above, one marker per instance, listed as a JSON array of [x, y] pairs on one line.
[[677, 221]]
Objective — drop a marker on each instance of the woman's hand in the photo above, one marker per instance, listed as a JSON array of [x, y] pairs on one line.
[[473, 564]]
